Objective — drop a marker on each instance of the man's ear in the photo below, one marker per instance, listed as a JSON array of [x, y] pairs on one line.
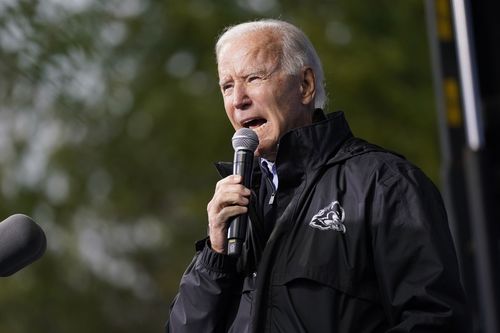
[[307, 85]]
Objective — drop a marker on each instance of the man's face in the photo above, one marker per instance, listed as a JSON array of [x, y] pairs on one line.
[[258, 94]]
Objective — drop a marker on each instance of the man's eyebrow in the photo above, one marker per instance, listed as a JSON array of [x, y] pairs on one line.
[[256, 71], [248, 72], [224, 80], [265, 70]]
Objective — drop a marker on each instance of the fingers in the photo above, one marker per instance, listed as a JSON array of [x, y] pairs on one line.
[[229, 192], [230, 199]]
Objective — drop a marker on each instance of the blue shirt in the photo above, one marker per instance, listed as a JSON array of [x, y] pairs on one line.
[[271, 167]]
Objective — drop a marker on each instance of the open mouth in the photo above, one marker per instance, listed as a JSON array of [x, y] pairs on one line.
[[254, 123]]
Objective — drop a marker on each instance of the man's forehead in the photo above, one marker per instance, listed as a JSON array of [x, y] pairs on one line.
[[245, 57], [262, 36]]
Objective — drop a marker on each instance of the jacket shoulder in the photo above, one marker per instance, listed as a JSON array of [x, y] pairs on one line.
[[370, 161]]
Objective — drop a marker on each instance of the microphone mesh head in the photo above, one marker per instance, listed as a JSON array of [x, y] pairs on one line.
[[245, 139]]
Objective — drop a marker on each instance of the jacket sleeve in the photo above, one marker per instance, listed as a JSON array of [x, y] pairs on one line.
[[414, 256], [206, 294]]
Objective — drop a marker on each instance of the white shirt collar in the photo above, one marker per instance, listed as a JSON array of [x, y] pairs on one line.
[[271, 166]]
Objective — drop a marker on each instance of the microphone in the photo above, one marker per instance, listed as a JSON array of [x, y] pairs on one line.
[[22, 241], [245, 141]]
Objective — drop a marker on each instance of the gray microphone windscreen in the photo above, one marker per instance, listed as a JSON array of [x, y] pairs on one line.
[[245, 139], [22, 241]]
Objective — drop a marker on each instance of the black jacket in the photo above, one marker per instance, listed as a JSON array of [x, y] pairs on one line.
[[360, 243]]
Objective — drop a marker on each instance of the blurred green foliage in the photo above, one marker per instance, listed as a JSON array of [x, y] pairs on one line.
[[110, 119]]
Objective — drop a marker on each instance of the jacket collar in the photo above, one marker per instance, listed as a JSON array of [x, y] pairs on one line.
[[307, 147], [313, 146]]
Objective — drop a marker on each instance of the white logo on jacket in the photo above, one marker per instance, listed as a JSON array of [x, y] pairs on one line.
[[330, 218]]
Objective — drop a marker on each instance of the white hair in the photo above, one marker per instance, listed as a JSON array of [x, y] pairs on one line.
[[297, 50]]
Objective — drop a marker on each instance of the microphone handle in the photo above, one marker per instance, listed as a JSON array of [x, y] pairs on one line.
[[236, 233]]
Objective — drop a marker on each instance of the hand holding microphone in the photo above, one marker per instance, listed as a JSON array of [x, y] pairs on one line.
[[245, 141], [227, 210]]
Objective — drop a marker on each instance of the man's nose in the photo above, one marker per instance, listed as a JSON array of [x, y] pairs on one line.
[[241, 100]]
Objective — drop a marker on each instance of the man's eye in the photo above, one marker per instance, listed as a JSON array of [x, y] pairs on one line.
[[226, 87], [253, 78]]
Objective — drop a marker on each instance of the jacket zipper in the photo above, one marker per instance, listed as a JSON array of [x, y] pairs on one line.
[[273, 193], [271, 198]]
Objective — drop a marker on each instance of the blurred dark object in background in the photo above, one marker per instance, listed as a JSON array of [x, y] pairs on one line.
[[464, 37]]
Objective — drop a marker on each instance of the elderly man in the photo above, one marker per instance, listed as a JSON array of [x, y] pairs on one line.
[[344, 235]]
